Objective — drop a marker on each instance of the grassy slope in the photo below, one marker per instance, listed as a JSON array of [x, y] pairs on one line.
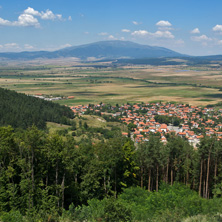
[[91, 120]]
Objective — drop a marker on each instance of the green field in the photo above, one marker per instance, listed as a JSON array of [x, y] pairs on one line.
[[194, 85]]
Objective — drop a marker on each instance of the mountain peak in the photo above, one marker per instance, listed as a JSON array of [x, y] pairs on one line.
[[112, 49]]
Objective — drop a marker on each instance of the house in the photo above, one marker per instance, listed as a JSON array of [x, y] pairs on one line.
[[163, 128]]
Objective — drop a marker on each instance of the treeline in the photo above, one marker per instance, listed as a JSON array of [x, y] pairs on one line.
[[175, 121], [178, 161], [192, 61], [43, 174], [22, 111]]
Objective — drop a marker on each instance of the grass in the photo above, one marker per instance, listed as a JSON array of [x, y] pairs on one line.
[[53, 127], [95, 121], [207, 100], [89, 85], [92, 121]]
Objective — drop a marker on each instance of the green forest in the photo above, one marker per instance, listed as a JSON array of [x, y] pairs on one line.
[[52, 177], [22, 111]]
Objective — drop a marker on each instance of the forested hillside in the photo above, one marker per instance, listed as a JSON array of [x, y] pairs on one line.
[[22, 111], [52, 177]]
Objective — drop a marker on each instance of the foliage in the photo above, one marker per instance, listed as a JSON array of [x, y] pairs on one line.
[[22, 111], [167, 119], [12, 216], [48, 177]]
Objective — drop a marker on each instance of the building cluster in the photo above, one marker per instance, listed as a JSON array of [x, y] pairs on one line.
[[188, 122], [51, 98]]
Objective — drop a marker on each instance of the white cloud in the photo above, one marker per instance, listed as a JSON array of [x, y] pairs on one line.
[[163, 23], [86, 33], [23, 20], [202, 38], [111, 37], [140, 33], [103, 33], [28, 18], [5, 22], [31, 11], [65, 46], [157, 34], [9, 47], [70, 18], [135, 23], [195, 31], [217, 28], [163, 34], [47, 15], [219, 42], [28, 47], [122, 38], [125, 30]]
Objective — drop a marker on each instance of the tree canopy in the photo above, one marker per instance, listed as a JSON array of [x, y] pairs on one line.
[[22, 111]]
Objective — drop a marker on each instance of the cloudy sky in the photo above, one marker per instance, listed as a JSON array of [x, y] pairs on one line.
[[186, 26]]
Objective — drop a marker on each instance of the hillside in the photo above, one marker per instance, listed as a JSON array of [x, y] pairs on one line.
[[104, 49], [116, 49], [22, 111]]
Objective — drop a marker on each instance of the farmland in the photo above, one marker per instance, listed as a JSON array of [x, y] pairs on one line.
[[93, 83]]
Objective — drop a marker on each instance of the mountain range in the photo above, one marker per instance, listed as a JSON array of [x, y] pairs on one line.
[[99, 50]]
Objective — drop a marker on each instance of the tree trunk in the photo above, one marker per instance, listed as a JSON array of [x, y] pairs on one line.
[[63, 190], [108, 184], [46, 181], [157, 177], [104, 183], [149, 179], [164, 174], [33, 177], [151, 187], [201, 174], [141, 178], [167, 171], [204, 187], [187, 174], [76, 179], [57, 174], [187, 179], [204, 178], [171, 176], [215, 172], [115, 183], [208, 171]]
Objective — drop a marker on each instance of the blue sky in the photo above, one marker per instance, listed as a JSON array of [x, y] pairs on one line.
[[186, 26]]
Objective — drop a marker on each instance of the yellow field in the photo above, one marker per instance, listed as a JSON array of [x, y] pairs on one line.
[[194, 85]]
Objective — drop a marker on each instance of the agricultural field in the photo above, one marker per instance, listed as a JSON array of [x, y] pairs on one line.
[[102, 82]]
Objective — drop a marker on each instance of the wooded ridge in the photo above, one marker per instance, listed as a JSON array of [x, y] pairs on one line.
[[22, 111]]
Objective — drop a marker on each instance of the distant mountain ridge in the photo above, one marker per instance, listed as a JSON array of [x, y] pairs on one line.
[[105, 49]]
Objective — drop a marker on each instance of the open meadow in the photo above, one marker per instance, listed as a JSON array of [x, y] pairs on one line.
[[101, 82]]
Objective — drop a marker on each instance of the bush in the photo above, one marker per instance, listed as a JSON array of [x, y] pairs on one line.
[[106, 210], [12, 216]]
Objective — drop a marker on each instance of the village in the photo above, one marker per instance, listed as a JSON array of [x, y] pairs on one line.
[[189, 122]]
